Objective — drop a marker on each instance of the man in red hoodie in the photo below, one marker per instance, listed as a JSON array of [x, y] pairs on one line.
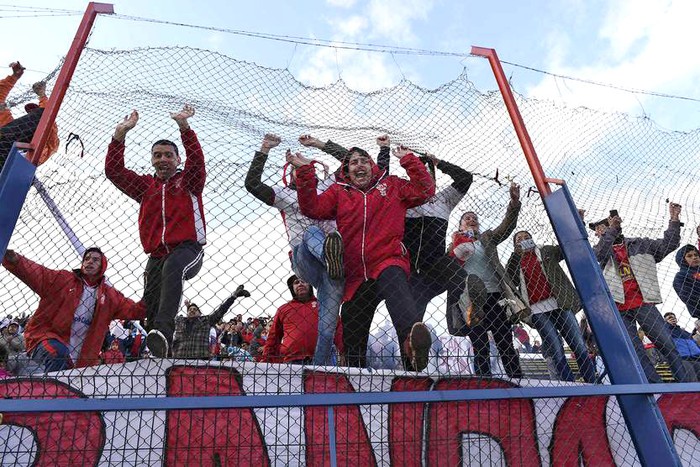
[[293, 334], [171, 220], [75, 309], [369, 207]]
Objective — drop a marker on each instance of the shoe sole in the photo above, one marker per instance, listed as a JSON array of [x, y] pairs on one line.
[[420, 341], [333, 253], [157, 344]]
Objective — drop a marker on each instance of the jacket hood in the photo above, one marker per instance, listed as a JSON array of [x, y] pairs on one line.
[[103, 266], [290, 284], [680, 255], [342, 175]]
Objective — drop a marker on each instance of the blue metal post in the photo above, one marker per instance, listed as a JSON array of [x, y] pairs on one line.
[[15, 180], [644, 421], [332, 448]]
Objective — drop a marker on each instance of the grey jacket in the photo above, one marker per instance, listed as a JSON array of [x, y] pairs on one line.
[[643, 253]]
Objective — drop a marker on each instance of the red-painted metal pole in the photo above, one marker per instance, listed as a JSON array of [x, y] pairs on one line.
[[525, 142], [65, 75]]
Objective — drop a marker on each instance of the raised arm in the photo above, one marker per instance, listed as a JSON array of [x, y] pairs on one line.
[[218, 315], [461, 179], [339, 152], [311, 204], [420, 186], [130, 183], [384, 156], [37, 277], [253, 179], [672, 236], [603, 249], [510, 220], [195, 173]]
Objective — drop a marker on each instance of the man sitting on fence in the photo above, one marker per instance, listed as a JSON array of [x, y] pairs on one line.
[[171, 220], [369, 207], [74, 313], [316, 246], [495, 305], [191, 338], [22, 129], [629, 268]]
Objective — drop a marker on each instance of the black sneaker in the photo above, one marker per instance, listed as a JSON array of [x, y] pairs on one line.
[[333, 252], [157, 344], [419, 341]]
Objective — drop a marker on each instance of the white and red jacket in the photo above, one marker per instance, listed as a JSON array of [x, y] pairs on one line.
[[371, 222], [60, 293], [171, 211]]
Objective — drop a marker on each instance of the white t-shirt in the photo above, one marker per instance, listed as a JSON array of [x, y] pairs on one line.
[[81, 321], [287, 201]]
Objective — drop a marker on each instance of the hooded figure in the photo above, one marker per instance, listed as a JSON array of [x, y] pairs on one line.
[[294, 330], [74, 312], [687, 280]]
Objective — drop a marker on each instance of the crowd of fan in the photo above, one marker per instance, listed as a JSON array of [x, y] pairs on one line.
[[360, 237]]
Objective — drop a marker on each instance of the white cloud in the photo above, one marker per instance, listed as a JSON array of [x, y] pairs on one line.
[[644, 46], [341, 3], [387, 22]]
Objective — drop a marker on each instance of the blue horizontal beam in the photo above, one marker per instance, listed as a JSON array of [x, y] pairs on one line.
[[316, 400]]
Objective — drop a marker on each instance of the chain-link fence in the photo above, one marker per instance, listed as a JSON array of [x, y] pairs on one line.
[[455, 237]]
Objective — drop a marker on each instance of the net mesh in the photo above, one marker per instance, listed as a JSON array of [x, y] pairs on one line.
[[610, 161]]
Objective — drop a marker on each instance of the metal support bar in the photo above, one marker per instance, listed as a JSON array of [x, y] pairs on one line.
[[352, 398], [15, 180], [64, 76], [525, 142], [646, 426]]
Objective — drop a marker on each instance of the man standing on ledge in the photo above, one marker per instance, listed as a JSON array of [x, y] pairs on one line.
[[171, 220]]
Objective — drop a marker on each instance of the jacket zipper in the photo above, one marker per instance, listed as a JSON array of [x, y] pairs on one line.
[[364, 228], [162, 212]]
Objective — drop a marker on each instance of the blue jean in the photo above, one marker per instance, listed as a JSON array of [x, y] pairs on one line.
[[550, 325], [654, 326], [50, 355], [309, 264]]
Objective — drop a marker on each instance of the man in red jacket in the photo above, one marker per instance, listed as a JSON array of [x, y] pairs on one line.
[[171, 220], [369, 208], [294, 331], [75, 309]]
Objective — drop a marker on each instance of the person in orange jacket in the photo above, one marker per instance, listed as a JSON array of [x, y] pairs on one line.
[[23, 128]]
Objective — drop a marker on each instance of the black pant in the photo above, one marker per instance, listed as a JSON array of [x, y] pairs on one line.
[[357, 314], [446, 274], [497, 322], [163, 288]]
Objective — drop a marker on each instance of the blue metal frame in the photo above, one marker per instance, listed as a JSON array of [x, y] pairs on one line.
[[645, 423], [15, 180], [331, 400]]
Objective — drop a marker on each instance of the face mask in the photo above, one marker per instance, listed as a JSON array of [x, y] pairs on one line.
[[469, 233], [527, 244]]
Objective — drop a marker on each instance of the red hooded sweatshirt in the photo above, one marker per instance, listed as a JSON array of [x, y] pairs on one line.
[[371, 222], [60, 293]]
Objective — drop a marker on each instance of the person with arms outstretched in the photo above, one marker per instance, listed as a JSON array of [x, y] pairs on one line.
[[171, 220]]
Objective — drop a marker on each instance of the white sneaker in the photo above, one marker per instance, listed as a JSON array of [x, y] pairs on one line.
[[157, 344]]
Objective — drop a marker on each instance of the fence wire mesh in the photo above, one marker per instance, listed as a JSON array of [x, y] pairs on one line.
[[487, 277]]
